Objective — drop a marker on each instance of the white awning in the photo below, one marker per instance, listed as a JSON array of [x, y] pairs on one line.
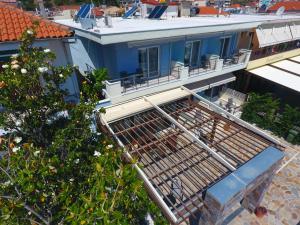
[[287, 65], [295, 29], [273, 34], [278, 76]]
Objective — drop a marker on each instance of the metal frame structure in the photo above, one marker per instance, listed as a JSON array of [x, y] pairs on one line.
[[184, 147]]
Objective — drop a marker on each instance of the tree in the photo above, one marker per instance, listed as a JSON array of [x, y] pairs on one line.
[[28, 4], [57, 169], [261, 110]]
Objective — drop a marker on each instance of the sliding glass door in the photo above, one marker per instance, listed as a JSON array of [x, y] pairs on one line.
[[192, 53], [149, 61], [224, 47]]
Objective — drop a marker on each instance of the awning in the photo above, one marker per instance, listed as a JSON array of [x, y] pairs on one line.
[[211, 82], [274, 34], [281, 73], [295, 29]]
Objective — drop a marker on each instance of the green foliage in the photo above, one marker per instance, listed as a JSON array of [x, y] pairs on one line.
[[57, 170], [290, 117], [28, 4], [261, 110], [95, 84]]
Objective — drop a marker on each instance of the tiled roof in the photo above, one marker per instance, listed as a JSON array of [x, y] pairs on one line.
[[289, 6], [206, 10], [69, 7], [13, 22]]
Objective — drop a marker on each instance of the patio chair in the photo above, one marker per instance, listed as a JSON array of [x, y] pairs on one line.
[[139, 77]]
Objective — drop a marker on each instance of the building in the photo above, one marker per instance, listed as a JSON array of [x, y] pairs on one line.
[[198, 160], [50, 35], [274, 64], [10, 2], [149, 5], [289, 6]]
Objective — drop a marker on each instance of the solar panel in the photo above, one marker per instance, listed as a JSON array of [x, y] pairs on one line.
[[154, 11], [157, 11], [130, 12], [84, 10], [160, 11]]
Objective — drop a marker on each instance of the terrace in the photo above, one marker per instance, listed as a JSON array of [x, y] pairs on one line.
[[137, 84], [187, 148]]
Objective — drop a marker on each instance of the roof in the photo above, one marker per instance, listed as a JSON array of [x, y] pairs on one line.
[[156, 2], [289, 6], [206, 10], [13, 22], [9, 1], [69, 7], [124, 30], [285, 73]]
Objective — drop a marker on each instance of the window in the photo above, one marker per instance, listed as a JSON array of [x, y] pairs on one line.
[[5, 55], [149, 60], [192, 53], [224, 47]]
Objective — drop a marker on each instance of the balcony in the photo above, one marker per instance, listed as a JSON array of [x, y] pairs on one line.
[[135, 85], [135, 81]]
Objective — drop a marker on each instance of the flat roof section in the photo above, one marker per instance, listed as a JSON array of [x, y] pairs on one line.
[[278, 76], [124, 30]]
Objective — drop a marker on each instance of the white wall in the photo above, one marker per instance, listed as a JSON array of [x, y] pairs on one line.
[[62, 58]]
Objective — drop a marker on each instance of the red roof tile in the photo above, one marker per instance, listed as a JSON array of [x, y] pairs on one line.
[[289, 6], [13, 22], [69, 7], [206, 10]]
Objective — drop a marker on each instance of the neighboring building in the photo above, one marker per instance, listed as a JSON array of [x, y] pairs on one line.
[[10, 2], [289, 6], [172, 10], [14, 22], [219, 3], [275, 61]]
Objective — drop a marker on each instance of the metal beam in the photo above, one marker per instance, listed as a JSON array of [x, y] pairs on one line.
[[234, 118], [155, 195], [194, 138]]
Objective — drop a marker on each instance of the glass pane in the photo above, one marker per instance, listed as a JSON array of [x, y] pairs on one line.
[[224, 47], [143, 60], [187, 53], [195, 54], [153, 61]]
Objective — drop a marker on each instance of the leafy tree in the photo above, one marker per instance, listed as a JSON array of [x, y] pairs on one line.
[[57, 169], [261, 110], [290, 117], [28, 4]]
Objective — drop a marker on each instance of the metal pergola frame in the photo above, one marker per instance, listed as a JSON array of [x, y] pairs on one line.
[[183, 148]]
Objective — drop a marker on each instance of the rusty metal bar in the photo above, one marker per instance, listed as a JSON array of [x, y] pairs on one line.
[[201, 143]]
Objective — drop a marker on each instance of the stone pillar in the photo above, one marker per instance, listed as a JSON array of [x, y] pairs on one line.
[[254, 195], [247, 184], [220, 199]]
